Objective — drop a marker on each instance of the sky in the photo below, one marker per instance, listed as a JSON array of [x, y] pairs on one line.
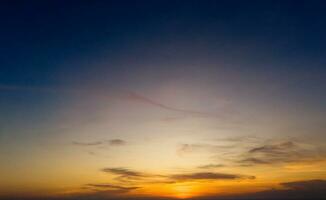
[[162, 99]]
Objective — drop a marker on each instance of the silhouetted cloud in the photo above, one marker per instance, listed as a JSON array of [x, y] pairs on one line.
[[297, 190], [127, 176], [208, 176], [307, 189], [306, 185], [104, 195], [110, 188], [123, 172]]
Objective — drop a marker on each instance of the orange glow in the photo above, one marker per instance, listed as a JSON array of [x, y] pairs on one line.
[[183, 191]]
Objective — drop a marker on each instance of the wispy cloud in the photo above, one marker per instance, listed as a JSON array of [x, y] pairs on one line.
[[113, 142], [170, 178], [200, 147], [117, 142], [208, 176], [253, 161], [124, 172], [274, 148], [93, 148], [139, 98], [110, 188], [280, 152], [229, 144], [87, 143], [211, 166], [125, 95], [253, 151]]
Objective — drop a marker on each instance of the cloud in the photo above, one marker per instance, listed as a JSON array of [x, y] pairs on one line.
[[281, 152], [123, 172], [103, 191], [251, 161], [87, 143], [110, 188], [127, 176], [306, 189], [306, 185], [253, 151], [113, 142], [139, 98], [225, 145], [91, 153], [189, 148], [94, 148], [195, 148], [274, 148], [117, 142], [208, 176], [210, 166], [129, 95], [296, 190]]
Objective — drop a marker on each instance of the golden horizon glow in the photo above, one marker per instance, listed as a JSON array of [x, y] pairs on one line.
[[173, 99]]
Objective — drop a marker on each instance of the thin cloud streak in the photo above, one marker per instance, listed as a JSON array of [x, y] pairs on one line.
[[132, 96], [274, 148], [117, 142], [129, 95], [113, 142], [249, 153], [208, 176], [211, 166], [123, 172], [198, 147], [87, 143], [172, 178], [110, 187]]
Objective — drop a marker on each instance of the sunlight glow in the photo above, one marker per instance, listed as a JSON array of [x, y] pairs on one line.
[[183, 191]]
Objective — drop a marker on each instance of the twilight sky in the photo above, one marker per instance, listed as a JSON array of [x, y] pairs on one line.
[[176, 99]]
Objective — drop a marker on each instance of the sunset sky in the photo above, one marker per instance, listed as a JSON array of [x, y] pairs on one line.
[[162, 99]]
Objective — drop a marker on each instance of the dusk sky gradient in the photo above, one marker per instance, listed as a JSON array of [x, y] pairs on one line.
[[162, 99]]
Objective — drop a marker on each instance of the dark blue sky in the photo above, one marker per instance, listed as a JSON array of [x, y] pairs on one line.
[[37, 37], [56, 43]]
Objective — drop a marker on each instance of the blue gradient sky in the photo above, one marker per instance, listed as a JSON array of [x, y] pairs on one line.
[[176, 82]]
